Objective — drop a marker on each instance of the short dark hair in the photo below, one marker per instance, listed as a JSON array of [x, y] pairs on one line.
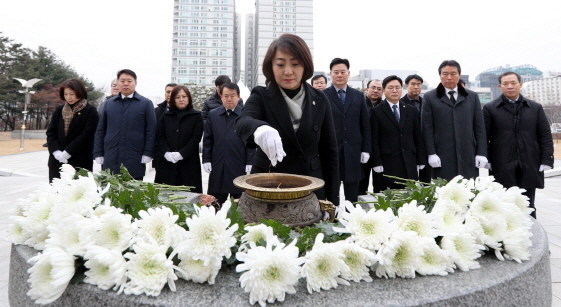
[[171, 85], [462, 82], [336, 61], [391, 78], [232, 86], [222, 79], [174, 93], [510, 73], [368, 84], [450, 63], [314, 78], [126, 71], [293, 45], [411, 77], [76, 85]]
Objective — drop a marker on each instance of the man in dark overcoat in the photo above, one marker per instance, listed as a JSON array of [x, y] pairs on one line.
[[225, 156], [397, 141], [520, 142], [414, 86], [352, 127], [126, 132], [453, 127], [214, 100]]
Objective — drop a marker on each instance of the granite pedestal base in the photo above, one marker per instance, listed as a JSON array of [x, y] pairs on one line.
[[496, 283]]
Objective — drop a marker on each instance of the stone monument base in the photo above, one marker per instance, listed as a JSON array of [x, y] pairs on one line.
[[496, 283]]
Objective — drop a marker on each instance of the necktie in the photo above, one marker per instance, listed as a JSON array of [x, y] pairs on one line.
[[395, 113], [229, 112], [452, 96], [342, 96]]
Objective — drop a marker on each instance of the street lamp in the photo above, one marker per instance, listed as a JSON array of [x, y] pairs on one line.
[[27, 92]]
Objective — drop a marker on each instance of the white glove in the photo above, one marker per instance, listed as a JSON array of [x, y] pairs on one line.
[[248, 169], [488, 166], [378, 169], [176, 156], [58, 155], [364, 156], [168, 156], [480, 161], [420, 167], [65, 155], [145, 159], [207, 167], [544, 168], [99, 160], [270, 142], [434, 161]]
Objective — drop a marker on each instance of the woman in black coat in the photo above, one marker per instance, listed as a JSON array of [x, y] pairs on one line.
[[178, 135], [70, 135], [290, 122]]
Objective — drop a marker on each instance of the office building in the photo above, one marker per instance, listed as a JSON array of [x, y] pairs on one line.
[[490, 77], [206, 41]]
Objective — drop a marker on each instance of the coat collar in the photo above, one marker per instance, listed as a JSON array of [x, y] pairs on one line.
[[504, 101], [441, 91], [237, 110]]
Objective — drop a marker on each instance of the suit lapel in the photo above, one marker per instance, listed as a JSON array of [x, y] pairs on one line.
[[386, 107], [334, 97], [308, 116], [403, 115], [348, 99], [460, 98]]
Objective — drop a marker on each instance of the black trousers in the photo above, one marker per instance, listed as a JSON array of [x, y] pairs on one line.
[[530, 192], [351, 191], [363, 184]]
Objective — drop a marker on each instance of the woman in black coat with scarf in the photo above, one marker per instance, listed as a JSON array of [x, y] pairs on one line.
[[70, 136], [178, 135]]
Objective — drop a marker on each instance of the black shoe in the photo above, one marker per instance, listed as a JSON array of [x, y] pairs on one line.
[[46, 145]]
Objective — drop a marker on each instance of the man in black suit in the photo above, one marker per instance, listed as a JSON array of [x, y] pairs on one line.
[[397, 141], [352, 127], [414, 86], [372, 98]]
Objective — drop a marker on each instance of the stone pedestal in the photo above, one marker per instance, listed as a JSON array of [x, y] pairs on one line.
[[496, 283], [297, 212]]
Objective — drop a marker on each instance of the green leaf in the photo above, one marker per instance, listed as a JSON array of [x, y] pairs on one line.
[[307, 239], [280, 230]]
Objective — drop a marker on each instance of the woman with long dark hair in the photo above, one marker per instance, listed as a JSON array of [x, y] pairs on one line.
[[178, 135], [70, 136], [290, 122]]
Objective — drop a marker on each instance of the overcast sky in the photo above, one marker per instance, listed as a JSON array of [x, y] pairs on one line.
[[100, 37]]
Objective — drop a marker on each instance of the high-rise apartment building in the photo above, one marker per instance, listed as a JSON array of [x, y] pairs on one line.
[[206, 41], [271, 20]]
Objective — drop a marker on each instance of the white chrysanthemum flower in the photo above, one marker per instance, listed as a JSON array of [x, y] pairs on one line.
[[434, 260], [106, 268], [50, 274], [514, 196], [463, 250], [114, 231], [455, 191], [447, 216], [209, 237], [67, 172], [411, 217], [157, 225], [368, 229], [324, 264], [269, 273], [196, 271], [358, 259], [19, 229], [399, 255], [487, 202], [255, 234], [487, 183], [71, 234], [106, 208], [38, 235], [517, 245], [149, 269], [79, 197]]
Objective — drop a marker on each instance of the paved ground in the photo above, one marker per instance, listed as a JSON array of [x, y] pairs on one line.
[[21, 173]]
